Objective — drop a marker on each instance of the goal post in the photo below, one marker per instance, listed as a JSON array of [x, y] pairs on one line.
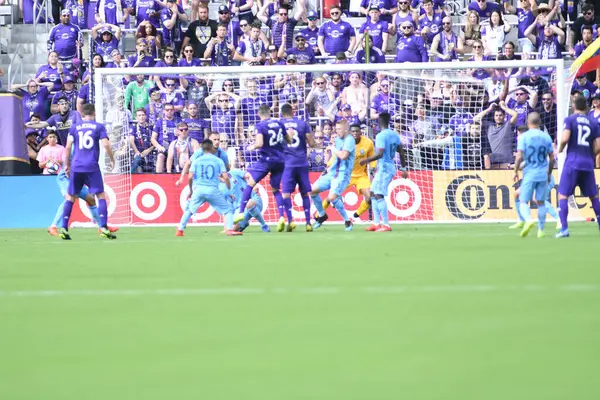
[[444, 184]]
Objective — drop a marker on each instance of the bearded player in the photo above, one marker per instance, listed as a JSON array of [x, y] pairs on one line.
[[387, 143]]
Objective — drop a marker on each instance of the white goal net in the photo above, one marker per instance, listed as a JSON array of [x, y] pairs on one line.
[[456, 120]]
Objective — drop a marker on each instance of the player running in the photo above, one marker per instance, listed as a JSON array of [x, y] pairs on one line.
[[535, 148], [387, 143], [269, 143], [63, 184], [85, 137], [582, 135], [234, 196], [298, 134], [337, 178], [205, 174]]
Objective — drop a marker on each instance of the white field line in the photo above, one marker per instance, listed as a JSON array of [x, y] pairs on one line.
[[307, 291]]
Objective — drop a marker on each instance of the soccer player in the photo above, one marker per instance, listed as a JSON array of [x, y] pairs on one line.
[[254, 206], [269, 143], [582, 135], [85, 137], [297, 135], [387, 142], [534, 147], [219, 152], [205, 174], [337, 178]]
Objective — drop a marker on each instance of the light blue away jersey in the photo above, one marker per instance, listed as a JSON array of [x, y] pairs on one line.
[[206, 170], [344, 167], [388, 141], [535, 145]]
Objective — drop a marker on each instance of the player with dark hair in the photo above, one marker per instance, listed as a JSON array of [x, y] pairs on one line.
[[582, 135], [387, 143], [297, 135], [83, 169], [269, 143]]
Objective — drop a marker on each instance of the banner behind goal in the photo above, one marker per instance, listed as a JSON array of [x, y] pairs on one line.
[[434, 107]]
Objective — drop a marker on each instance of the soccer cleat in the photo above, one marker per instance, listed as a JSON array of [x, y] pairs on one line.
[[53, 231], [527, 228], [349, 226], [281, 224], [238, 218], [112, 229], [564, 233], [320, 220], [541, 234], [309, 228], [107, 234], [265, 228], [179, 233], [64, 234], [518, 225], [234, 233], [289, 228], [384, 228], [372, 228], [293, 225]]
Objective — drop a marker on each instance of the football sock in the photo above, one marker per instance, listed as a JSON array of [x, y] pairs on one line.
[[57, 221], [287, 201], [364, 206], [95, 215], [103, 211], [551, 210], [383, 210], [375, 208], [306, 206], [184, 219], [245, 197], [563, 211], [279, 202], [541, 216], [228, 220], [318, 205], [326, 204], [525, 211], [518, 208], [255, 212], [596, 207], [67, 208], [339, 206]]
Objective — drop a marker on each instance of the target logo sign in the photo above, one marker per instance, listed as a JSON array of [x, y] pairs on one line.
[[111, 202], [148, 201], [202, 213], [404, 198]]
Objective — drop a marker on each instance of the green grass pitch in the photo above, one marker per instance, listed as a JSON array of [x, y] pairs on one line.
[[453, 312]]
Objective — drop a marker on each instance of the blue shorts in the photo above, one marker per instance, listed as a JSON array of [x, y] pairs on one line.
[[528, 187], [63, 185], [215, 198], [383, 177], [335, 185]]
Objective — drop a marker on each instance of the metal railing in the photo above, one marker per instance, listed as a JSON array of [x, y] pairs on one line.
[[38, 11], [16, 69]]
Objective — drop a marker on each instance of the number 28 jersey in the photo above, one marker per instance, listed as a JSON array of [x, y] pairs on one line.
[[86, 137], [272, 132], [580, 152], [535, 146]]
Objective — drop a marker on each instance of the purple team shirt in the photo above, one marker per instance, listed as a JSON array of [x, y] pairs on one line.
[[411, 49], [63, 124], [63, 38], [336, 36], [272, 132], [165, 128], [86, 136], [489, 9], [580, 152], [110, 10], [144, 9], [381, 4], [35, 103], [376, 31], [295, 152]]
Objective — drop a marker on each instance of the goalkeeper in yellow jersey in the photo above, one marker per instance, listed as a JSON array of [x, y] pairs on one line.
[[360, 174]]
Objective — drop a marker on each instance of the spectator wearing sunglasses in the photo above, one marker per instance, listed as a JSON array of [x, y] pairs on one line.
[[171, 18], [484, 8], [200, 32], [181, 149], [171, 96], [404, 14], [320, 96], [387, 9], [377, 28], [446, 45], [311, 32], [410, 47], [547, 111], [336, 35], [525, 15], [430, 22], [168, 61], [283, 25], [303, 54], [587, 18]]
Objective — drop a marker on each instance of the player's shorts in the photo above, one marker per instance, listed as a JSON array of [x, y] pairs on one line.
[[551, 185], [293, 176], [335, 184], [215, 198], [571, 178], [529, 186], [93, 180], [360, 182], [261, 168], [63, 185], [383, 177]]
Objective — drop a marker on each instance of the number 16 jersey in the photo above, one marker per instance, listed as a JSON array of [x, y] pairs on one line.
[[86, 137]]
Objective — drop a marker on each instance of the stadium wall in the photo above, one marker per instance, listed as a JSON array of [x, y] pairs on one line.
[[444, 196]]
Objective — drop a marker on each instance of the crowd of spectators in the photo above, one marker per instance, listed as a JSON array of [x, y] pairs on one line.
[[448, 119]]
